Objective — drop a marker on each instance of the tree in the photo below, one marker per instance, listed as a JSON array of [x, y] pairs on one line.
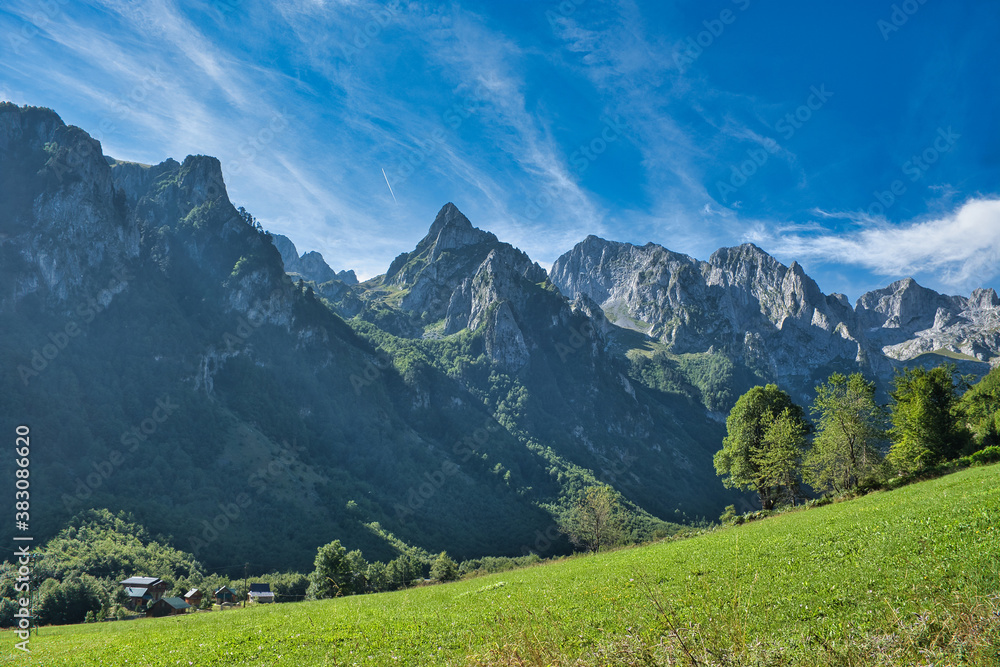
[[980, 408], [597, 521], [763, 446], [332, 576], [926, 428], [403, 570], [444, 568], [69, 601], [780, 459], [850, 427]]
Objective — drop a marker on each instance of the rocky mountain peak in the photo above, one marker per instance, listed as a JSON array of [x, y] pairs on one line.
[[311, 265], [201, 177], [984, 298], [903, 305], [135, 179], [58, 195], [451, 230], [745, 261]]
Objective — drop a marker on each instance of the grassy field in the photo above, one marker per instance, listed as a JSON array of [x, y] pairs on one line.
[[890, 578]]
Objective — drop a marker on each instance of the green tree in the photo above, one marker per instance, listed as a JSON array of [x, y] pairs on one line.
[[597, 521], [980, 408], [69, 601], [378, 577], [763, 446], [849, 429], [780, 458], [444, 568], [357, 568], [332, 576], [402, 571], [926, 428]]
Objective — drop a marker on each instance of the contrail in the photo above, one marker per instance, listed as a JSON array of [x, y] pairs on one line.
[[390, 187]]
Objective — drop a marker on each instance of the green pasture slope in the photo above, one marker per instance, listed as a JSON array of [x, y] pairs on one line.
[[870, 581]]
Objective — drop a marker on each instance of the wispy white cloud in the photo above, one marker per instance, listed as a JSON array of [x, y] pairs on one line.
[[961, 250]]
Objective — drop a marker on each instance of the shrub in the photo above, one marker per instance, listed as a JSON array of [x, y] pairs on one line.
[[984, 456]]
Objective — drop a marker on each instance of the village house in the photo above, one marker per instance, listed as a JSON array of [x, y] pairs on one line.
[[167, 607], [143, 591], [193, 597], [225, 595], [260, 593]]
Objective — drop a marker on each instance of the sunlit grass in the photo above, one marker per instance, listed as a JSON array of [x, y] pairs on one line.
[[909, 566]]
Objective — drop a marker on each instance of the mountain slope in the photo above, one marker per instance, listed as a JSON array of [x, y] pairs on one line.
[[480, 311], [167, 366]]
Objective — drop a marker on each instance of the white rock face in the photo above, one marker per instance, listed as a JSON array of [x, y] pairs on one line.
[[744, 303]]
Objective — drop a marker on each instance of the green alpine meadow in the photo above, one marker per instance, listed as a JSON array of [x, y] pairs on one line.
[[902, 577]]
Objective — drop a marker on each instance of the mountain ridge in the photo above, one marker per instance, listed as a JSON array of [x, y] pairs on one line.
[[458, 402]]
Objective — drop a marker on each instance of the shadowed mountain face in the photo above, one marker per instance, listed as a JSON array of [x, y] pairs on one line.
[[167, 365]]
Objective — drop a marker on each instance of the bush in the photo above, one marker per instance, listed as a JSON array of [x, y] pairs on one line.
[[7, 610], [69, 601], [984, 456], [728, 515], [444, 568]]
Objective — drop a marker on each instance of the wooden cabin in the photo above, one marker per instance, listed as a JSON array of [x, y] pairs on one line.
[[225, 595], [193, 597], [167, 607], [143, 591]]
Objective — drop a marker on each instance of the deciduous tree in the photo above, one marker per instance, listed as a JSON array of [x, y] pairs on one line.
[[763, 446], [597, 521], [850, 429], [332, 574], [444, 568]]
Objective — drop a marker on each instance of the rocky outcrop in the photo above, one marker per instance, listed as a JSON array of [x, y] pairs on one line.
[[774, 318], [310, 266], [59, 198], [454, 278], [917, 321]]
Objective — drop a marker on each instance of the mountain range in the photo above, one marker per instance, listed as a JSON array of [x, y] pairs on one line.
[[174, 359]]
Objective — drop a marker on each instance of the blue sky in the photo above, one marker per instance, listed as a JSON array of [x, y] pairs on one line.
[[859, 137]]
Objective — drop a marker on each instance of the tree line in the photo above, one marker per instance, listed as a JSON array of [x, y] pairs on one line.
[[853, 441]]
